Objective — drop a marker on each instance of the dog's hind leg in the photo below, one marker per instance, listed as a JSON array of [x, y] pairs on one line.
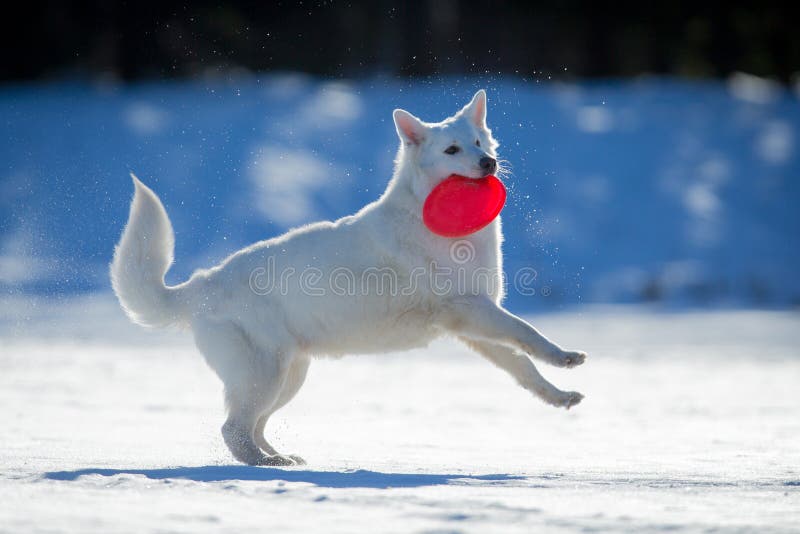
[[253, 378], [239, 432], [294, 381], [524, 372]]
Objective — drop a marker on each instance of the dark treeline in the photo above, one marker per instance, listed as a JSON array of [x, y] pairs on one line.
[[135, 40]]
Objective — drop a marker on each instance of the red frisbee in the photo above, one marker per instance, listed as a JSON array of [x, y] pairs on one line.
[[460, 206]]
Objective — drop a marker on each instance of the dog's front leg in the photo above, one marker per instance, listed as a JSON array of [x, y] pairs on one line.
[[480, 319], [524, 372]]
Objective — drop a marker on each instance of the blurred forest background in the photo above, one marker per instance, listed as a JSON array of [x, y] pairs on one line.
[[654, 147], [565, 39]]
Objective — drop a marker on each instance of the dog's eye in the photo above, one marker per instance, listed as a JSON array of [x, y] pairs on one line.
[[452, 149], [477, 142]]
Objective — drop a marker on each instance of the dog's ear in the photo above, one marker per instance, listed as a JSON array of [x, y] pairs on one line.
[[409, 128], [475, 111]]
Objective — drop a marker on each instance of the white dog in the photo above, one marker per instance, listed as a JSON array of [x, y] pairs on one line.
[[371, 282]]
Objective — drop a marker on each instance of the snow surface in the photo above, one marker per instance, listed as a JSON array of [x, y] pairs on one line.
[[691, 422], [621, 191]]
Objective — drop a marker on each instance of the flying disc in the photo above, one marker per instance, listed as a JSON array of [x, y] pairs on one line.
[[459, 206]]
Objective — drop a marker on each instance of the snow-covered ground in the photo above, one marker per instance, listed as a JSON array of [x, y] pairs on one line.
[[691, 422]]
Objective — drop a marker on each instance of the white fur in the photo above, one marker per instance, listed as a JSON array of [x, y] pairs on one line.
[[259, 338]]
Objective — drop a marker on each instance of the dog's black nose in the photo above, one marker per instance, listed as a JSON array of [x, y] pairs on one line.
[[488, 165]]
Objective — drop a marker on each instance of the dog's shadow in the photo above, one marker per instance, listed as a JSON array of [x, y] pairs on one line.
[[322, 479]]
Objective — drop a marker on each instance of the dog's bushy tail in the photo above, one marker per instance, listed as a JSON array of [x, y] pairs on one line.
[[142, 258]]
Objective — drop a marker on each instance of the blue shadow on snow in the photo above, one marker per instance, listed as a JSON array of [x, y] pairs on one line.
[[324, 479]]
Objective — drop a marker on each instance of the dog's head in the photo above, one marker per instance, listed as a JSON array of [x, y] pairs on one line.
[[461, 144]]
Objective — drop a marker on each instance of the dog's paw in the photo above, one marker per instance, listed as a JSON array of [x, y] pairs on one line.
[[296, 459], [276, 460], [571, 358], [568, 399]]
